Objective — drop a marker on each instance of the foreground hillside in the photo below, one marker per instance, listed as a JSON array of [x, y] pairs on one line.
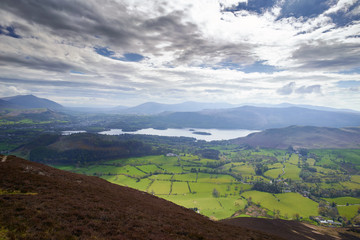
[[293, 230], [303, 137], [40, 202]]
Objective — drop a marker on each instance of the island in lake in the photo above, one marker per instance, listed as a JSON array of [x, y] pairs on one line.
[[202, 133]]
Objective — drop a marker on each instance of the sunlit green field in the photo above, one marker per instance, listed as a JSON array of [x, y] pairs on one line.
[[220, 192], [344, 200], [348, 211], [273, 173], [292, 171], [288, 203]]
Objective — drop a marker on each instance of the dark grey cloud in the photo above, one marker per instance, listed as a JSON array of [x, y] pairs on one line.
[[82, 21], [73, 19], [187, 43], [67, 84], [331, 56], [49, 64]]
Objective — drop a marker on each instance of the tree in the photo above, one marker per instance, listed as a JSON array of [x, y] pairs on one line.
[[296, 216], [215, 193]]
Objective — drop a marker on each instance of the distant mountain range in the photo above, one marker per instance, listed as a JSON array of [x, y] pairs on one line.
[[303, 137], [259, 118], [156, 108], [29, 101], [210, 115]]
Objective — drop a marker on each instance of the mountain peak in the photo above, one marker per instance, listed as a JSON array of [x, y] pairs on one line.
[[31, 101]]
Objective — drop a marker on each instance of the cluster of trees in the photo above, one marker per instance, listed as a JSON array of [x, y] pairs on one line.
[[260, 169], [86, 148], [308, 176], [267, 187], [209, 153]]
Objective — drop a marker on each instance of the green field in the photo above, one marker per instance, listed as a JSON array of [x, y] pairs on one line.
[[160, 187], [344, 200], [221, 188], [273, 173], [292, 172], [349, 211], [288, 203], [355, 178], [180, 188]]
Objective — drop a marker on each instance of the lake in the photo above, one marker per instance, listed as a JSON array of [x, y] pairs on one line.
[[71, 132], [216, 134]]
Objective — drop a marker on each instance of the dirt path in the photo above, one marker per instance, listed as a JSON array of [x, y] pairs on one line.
[[4, 159], [283, 169]]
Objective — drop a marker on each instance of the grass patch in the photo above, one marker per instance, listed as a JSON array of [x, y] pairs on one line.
[[160, 187], [351, 185], [288, 203], [151, 168], [355, 178], [215, 178], [344, 200], [180, 188], [291, 172], [186, 177], [348, 211], [273, 173], [294, 159]]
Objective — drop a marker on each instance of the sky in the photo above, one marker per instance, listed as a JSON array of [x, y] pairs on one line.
[[127, 52]]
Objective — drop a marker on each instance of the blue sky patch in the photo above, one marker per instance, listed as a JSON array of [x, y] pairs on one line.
[[259, 67], [133, 57], [351, 71], [127, 57], [76, 72], [258, 6], [303, 8], [255, 67], [290, 8], [104, 51], [341, 18], [228, 65], [9, 31], [348, 84]]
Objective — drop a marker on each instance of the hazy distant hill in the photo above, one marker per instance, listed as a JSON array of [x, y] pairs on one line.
[[40, 202], [7, 104], [155, 108], [31, 101], [249, 117], [287, 105], [303, 137]]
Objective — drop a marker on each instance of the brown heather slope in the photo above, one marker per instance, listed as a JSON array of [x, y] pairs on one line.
[[40, 202], [295, 230]]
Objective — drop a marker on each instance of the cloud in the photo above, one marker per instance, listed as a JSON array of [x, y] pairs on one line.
[[49, 64], [231, 3], [308, 89], [135, 51], [287, 89], [328, 56], [290, 88]]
